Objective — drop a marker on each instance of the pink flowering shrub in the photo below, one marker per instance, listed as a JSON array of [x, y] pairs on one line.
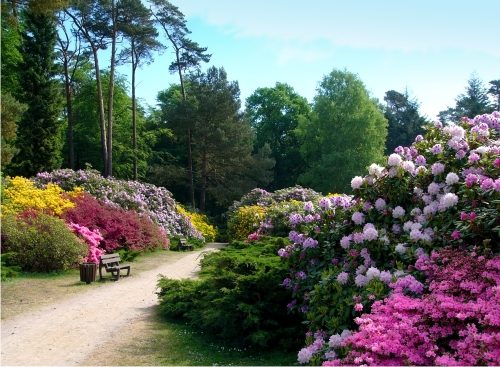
[[456, 322], [120, 229], [347, 253], [92, 238]]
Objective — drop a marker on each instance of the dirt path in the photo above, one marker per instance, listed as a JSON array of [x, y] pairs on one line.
[[66, 333]]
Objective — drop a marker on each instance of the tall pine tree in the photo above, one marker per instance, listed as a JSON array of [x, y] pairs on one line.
[[39, 133]]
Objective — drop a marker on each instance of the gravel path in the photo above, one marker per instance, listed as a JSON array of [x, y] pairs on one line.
[[66, 333]]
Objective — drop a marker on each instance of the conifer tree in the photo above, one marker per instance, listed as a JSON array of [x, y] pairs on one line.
[[39, 131]]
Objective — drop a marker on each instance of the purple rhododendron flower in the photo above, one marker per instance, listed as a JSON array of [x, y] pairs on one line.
[[437, 149]]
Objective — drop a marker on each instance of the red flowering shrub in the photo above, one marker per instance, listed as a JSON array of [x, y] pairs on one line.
[[121, 229], [456, 322]]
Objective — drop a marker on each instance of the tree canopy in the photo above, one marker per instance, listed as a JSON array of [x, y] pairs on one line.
[[274, 114], [346, 132]]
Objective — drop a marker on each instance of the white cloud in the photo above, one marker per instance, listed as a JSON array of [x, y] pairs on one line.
[[300, 54], [411, 25]]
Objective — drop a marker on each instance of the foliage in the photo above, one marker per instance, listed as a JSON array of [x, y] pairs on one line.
[[39, 130], [245, 220], [274, 114], [345, 133], [12, 111], [405, 122], [276, 207], [87, 133], [473, 102], [20, 194], [200, 223], [154, 202], [443, 190], [8, 269], [10, 50], [494, 92], [454, 322], [40, 242], [120, 229], [240, 285], [221, 138]]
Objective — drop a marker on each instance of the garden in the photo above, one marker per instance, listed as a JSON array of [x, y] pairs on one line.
[[405, 271]]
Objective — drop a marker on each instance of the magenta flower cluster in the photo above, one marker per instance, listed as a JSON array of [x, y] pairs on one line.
[[92, 238], [456, 322]]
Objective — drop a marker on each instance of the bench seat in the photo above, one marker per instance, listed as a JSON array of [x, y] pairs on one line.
[[111, 263]]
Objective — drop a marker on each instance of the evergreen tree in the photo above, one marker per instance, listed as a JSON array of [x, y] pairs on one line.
[[274, 114], [345, 134], [12, 111], [469, 104], [39, 133], [494, 91], [224, 167], [404, 120]]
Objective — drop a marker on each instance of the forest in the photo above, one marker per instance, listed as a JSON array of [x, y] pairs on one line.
[[64, 105]]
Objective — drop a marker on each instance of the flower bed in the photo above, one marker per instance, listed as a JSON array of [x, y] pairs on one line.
[[351, 254], [154, 202]]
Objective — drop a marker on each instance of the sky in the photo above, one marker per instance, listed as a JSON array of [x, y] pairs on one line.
[[428, 47]]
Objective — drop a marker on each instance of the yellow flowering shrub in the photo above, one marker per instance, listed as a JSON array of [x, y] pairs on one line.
[[21, 194], [245, 221], [200, 223]]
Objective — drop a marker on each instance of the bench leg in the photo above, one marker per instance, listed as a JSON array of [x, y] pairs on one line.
[[118, 274]]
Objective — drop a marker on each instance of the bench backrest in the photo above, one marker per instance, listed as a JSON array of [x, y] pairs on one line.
[[110, 260], [182, 241]]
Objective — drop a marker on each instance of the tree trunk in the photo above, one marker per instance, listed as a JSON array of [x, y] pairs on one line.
[[111, 90], [69, 111], [203, 192], [189, 134], [134, 125], [100, 103]]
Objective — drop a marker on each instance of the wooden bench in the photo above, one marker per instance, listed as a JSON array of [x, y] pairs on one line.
[[111, 263], [184, 245]]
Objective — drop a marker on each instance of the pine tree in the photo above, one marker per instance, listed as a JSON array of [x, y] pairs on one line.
[[39, 132]]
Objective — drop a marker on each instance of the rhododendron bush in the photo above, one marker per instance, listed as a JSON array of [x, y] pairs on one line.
[[357, 264], [455, 322], [154, 202], [264, 213], [120, 229]]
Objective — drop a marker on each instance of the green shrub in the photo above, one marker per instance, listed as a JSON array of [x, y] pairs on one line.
[[238, 298], [245, 220], [8, 269], [40, 243]]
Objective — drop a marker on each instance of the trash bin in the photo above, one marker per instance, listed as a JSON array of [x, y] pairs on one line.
[[88, 272]]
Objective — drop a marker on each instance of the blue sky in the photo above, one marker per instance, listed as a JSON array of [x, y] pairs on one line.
[[429, 47]]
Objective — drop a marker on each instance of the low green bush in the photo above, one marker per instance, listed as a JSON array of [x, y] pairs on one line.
[[40, 243], [8, 269], [238, 298]]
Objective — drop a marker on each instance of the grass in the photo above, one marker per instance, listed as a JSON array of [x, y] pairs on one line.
[[157, 342], [29, 291]]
